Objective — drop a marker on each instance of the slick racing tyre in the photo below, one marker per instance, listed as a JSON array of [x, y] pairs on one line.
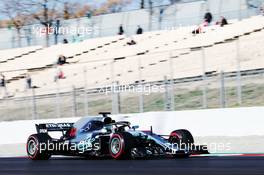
[[184, 141], [182, 135], [36, 147], [120, 145]]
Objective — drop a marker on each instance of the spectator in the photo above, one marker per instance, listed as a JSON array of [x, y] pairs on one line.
[[142, 4], [200, 28], [208, 17], [262, 9], [222, 22], [65, 41], [29, 81], [62, 60], [121, 30], [59, 75], [3, 84], [139, 30], [76, 39], [131, 42], [3, 81]]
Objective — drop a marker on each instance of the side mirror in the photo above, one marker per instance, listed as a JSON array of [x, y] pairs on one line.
[[135, 127]]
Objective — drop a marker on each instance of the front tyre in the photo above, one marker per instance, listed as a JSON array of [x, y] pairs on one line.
[[37, 147], [181, 135], [184, 141], [120, 145]]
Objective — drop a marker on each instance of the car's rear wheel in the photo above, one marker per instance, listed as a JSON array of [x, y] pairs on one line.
[[120, 145], [37, 145]]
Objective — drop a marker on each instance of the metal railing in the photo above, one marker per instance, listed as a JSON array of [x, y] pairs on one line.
[[219, 90]]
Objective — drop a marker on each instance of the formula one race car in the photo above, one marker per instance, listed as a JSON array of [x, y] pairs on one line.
[[103, 137]]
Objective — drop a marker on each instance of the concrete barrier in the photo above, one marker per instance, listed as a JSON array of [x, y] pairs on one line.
[[235, 126], [213, 122]]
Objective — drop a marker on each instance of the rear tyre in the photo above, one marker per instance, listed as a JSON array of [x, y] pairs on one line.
[[120, 145], [184, 141], [37, 147]]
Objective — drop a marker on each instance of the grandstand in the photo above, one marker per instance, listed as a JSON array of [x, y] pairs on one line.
[[110, 59], [157, 57]]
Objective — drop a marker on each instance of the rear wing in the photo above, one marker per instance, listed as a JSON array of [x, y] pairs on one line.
[[49, 127]]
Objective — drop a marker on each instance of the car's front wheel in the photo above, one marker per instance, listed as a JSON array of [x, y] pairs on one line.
[[183, 140]]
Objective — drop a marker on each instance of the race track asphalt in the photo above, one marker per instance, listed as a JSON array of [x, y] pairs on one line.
[[192, 166]]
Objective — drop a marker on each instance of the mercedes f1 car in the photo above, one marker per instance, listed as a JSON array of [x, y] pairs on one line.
[[103, 137]]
